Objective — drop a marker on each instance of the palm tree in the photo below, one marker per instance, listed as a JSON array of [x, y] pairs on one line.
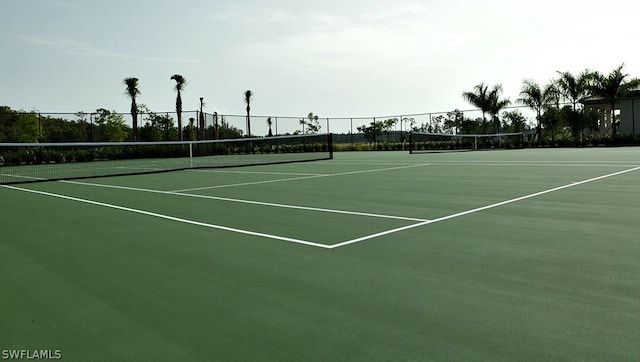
[[611, 88], [180, 84], [496, 105], [247, 99], [313, 126], [479, 97], [216, 127], [192, 129], [202, 120], [133, 91], [535, 97], [574, 88], [269, 123], [302, 123]]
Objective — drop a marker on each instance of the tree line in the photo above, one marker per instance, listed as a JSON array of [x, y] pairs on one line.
[[104, 126], [557, 104], [559, 114]]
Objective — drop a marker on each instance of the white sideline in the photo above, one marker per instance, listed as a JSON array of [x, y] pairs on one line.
[[527, 164], [172, 218], [302, 178], [387, 232]]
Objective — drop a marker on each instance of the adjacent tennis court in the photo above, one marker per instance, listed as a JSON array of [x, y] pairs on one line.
[[514, 254]]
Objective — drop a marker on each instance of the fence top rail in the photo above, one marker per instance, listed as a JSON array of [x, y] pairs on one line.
[[158, 143], [468, 135], [400, 116]]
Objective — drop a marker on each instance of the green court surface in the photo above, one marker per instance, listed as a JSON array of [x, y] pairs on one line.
[[490, 255]]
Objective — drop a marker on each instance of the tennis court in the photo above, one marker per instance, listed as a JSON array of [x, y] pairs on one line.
[[492, 255]]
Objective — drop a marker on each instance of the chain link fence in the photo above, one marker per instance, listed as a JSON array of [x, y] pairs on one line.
[[350, 133]]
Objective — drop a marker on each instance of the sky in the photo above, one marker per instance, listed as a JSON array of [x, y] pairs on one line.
[[335, 58]]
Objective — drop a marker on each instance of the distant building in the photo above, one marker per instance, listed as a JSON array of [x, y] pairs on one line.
[[627, 114]]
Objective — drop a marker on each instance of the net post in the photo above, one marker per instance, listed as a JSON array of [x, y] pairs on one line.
[[475, 143], [191, 154]]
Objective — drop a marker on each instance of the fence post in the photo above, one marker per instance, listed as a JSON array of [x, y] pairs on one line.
[[351, 132], [374, 132], [633, 118]]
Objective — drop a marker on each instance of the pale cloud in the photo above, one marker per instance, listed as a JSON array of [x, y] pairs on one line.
[[335, 57], [403, 12], [85, 49], [330, 21], [61, 3], [358, 42]]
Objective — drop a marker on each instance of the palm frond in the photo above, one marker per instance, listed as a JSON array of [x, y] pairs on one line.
[[180, 82], [478, 97], [132, 86], [495, 103], [247, 96], [530, 94]]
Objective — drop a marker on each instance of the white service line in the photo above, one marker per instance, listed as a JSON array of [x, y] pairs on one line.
[[172, 218], [353, 241], [302, 178], [256, 172], [247, 183], [20, 176], [307, 208]]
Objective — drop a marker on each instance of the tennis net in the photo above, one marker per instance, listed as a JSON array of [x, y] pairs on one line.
[[421, 142], [30, 162]]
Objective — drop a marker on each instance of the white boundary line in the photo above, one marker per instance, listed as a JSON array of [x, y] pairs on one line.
[[307, 208], [172, 218], [323, 246], [302, 178], [20, 176], [353, 241], [535, 162], [532, 164], [526, 164], [257, 172], [247, 183], [498, 163]]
